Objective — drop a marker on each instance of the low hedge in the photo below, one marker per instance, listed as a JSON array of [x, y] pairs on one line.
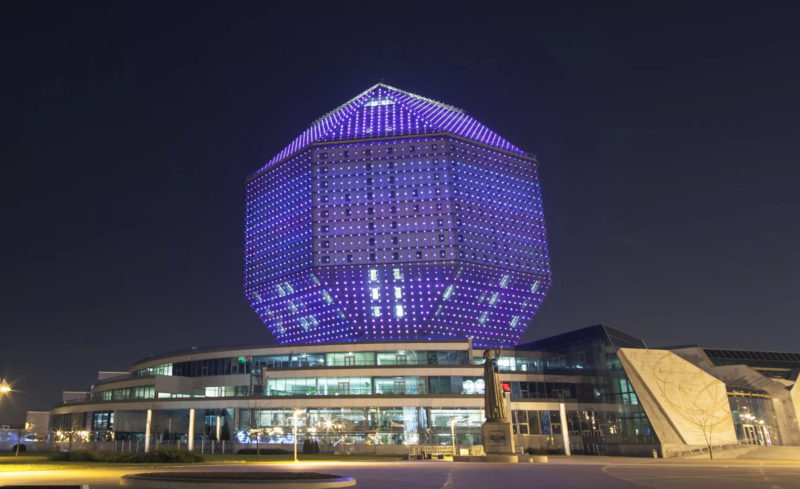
[[263, 451], [160, 455]]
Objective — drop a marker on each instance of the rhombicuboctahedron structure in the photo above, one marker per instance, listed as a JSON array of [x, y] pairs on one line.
[[396, 217]]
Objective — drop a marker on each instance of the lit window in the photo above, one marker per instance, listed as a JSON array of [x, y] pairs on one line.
[[373, 275], [398, 310], [376, 311], [448, 291], [504, 281], [398, 274], [376, 293], [379, 101], [398, 293]]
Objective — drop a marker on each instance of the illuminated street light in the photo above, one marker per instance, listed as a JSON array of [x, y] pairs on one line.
[[297, 412], [4, 387], [453, 421]]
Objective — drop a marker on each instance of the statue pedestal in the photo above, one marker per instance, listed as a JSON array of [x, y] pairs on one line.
[[498, 438]]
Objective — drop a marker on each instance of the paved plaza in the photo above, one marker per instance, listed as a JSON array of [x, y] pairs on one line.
[[560, 473]]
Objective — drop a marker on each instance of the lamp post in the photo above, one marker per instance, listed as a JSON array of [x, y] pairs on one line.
[[453, 433], [295, 415]]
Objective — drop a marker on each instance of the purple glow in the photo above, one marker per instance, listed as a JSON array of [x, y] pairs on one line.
[[427, 237]]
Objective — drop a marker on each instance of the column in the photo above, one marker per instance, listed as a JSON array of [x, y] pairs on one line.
[[564, 428], [219, 426], [147, 425], [190, 440]]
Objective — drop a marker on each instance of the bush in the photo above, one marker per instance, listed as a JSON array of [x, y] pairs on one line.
[[310, 446], [264, 451], [161, 455], [543, 451]]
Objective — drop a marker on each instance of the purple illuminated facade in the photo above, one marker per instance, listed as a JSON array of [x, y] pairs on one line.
[[396, 217]]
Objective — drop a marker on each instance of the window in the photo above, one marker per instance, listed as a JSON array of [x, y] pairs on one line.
[[324, 213], [419, 255], [368, 152], [398, 293], [375, 293], [324, 229], [349, 258], [326, 259], [326, 244], [369, 180], [347, 197], [394, 224], [398, 310], [370, 211], [371, 226], [394, 240], [394, 209], [372, 241], [376, 311], [395, 256], [346, 154], [412, 149], [369, 166], [373, 275], [441, 238], [440, 222], [442, 254], [348, 212], [372, 257], [323, 183]]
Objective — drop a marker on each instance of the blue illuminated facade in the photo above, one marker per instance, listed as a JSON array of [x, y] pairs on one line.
[[396, 217]]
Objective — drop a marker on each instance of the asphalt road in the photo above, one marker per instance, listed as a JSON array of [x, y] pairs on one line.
[[576, 472]]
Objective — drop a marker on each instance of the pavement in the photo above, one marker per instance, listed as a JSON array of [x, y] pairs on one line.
[[562, 473]]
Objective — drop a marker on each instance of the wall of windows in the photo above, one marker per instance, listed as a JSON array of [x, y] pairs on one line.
[[125, 393], [543, 390], [255, 364], [590, 431], [456, 385], [399, 425], [320, 386], [754, 418]]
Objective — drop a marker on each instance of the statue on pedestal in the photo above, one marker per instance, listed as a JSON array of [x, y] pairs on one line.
[[497, 432], [494, 405]]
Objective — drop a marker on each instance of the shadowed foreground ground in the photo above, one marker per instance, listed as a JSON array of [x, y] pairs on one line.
[[562, 473]]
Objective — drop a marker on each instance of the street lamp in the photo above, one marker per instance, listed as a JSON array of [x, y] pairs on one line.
[[4, 387], [297, 413], [453, 433]]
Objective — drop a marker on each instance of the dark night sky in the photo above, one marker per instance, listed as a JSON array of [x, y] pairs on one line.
[[669, 142]]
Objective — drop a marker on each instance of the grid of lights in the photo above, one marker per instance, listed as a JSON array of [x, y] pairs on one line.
[[360, 230], [388, 111]]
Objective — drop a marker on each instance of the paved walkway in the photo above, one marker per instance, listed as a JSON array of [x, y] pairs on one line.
[[561, 473]]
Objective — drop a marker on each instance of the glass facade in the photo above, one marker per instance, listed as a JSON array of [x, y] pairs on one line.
[[394, 426], [255, 364], [754, 418]]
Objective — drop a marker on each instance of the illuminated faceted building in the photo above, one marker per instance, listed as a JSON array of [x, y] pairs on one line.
[[396, 217], [385, 247]]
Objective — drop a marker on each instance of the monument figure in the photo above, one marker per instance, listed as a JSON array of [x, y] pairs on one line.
[[498, 435], [494, 405]]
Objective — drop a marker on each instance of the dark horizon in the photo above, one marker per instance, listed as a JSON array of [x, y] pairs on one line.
[[667, 139]]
